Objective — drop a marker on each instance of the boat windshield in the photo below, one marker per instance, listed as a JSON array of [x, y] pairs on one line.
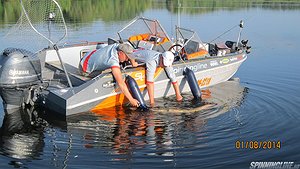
[[189, 40], [145, 33]]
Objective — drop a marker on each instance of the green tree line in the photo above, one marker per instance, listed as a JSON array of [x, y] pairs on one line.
[[78, 11]]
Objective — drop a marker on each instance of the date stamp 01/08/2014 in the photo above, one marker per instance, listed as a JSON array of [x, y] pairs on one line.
[[254, 144]]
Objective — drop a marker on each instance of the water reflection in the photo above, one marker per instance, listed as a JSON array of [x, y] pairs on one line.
[[21, 135], [118, 133], [159, 132], [79, 11]]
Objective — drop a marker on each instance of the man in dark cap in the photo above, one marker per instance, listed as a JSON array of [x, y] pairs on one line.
[[107, 57]]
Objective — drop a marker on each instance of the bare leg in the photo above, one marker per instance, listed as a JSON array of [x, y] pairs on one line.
[[150, 88], [177, 91]]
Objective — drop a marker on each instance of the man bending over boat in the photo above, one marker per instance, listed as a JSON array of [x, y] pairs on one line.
[[154, 59], [110, 56]]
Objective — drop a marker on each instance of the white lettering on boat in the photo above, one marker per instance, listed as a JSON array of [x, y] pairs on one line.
[[214, 63], [15, 72], [139, 76], [108, 84], [194, 68], [233, 59]]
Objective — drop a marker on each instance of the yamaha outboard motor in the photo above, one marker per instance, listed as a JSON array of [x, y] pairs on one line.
[[20, 76]]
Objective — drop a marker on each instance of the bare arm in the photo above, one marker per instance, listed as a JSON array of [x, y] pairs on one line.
[[118, 76], [133, 62]]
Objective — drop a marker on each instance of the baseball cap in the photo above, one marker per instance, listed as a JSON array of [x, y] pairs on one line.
[[168, 58], [126, 48]]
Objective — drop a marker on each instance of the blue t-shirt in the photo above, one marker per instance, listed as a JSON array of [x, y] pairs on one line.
[[100, 59], [145, 55]]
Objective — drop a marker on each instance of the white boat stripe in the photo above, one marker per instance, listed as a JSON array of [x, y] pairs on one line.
[[162, 81]]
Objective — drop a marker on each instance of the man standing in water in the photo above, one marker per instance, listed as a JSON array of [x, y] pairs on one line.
[[154, 59]]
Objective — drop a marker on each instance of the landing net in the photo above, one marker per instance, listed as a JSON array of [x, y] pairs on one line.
[[40, 25]]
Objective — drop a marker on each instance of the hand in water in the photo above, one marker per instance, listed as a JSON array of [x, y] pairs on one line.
[[135, 103]]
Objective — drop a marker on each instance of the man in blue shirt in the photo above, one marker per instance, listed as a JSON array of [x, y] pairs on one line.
[[109, 57]]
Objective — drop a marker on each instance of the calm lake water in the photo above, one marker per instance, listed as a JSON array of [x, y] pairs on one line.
[[261, 104]]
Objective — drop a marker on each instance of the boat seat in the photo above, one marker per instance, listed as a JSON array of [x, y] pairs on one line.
[[152, 42], [73, 71], [222, 49], [193, 51], [201, 53], [145, 45], [222, 46], [191, 47]]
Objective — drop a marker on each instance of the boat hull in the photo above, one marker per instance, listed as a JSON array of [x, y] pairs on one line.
[[102, 92]]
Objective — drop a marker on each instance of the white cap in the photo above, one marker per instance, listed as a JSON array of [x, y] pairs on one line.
[[168, 58]]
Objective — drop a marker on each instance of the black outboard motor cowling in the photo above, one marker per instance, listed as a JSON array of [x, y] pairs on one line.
[[20, 74]]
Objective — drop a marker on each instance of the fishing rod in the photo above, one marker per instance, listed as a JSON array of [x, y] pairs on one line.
[[241, 25], [227, 32]]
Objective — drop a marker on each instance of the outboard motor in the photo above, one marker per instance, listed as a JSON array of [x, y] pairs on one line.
[[20, 76]]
